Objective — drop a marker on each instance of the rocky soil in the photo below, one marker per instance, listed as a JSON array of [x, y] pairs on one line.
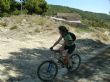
[[23, 48]]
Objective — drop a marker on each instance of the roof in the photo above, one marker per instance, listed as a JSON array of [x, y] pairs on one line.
[[69, 16], [60, 19]]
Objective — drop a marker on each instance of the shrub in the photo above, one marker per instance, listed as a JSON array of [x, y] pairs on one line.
[[3, 24], [5, 15], [16, 12], [13, 27], [37, 30]]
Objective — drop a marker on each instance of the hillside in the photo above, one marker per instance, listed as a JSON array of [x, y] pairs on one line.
[[25, 41], [89, 18]]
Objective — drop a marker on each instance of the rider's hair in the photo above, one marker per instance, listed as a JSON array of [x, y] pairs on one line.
[[63, 29]]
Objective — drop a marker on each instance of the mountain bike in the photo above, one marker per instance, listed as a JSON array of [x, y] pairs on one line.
[[48, 69]]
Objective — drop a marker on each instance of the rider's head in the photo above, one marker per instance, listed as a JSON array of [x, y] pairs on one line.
[[63, 30]]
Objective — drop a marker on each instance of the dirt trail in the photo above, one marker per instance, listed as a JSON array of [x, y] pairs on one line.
[[19, 59], [25, 43]]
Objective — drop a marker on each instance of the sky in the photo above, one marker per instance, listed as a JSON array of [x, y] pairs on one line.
[[98, 6]]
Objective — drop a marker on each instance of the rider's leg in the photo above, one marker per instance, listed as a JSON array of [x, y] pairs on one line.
[[69, 52], [63, 52], [67, 60]]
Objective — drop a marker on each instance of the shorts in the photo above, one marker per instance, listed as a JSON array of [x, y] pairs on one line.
[[70, 48]]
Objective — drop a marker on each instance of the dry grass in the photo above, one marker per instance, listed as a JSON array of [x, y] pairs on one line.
[[101, 36], [3, 24], [35, 20], [13, 27], [37, 30], [38, 24]]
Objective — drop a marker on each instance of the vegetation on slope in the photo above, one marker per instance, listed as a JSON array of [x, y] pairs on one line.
[[12, 7], [89, 18]]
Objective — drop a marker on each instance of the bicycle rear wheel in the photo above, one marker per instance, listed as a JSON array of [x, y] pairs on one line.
[[76, 61], [47, 70]]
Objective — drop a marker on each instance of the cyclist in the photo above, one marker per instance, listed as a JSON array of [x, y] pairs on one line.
[[68, 44]]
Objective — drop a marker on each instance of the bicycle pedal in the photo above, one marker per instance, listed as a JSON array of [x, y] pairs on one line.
[[70, 67], [58, 61], [73, 62]]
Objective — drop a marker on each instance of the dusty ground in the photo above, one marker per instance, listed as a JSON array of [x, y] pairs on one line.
[[21, 53], [19, 59]]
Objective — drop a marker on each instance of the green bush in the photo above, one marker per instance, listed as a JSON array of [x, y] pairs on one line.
[[13, 27], [83, 30], [5, 15], [37, 30], [3, 24], [16, 12]]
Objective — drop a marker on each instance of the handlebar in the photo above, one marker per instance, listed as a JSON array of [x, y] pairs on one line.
[[56, 51]]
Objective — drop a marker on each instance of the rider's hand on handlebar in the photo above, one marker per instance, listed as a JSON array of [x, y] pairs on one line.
[[51, 48]]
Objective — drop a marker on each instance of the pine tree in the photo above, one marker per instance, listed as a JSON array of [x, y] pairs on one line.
[[36, 6]]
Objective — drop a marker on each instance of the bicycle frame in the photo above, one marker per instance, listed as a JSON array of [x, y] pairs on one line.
[[49, 67], [52, 66], [54, 58]]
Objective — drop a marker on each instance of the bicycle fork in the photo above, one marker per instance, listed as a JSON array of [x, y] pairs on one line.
[[49, 67]]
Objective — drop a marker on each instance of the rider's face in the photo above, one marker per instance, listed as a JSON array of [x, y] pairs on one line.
[[60, 32]]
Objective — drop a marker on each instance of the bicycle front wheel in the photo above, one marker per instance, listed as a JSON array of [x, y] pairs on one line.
[[47, 70]]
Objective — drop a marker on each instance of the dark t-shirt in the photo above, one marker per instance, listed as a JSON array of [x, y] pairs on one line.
[[68, 38]]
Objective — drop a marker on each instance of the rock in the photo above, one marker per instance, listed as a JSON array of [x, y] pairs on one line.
[[30, 80], [107, 32], [61, 73], [84, 80]]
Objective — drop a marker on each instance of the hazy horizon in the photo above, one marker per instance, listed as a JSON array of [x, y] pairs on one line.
[[97, 6]]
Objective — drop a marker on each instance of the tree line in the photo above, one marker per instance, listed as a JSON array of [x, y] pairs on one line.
[[12, 7], [88, 18]]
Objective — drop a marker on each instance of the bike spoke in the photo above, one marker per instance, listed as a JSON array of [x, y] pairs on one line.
[[47, 71], [75, 59]]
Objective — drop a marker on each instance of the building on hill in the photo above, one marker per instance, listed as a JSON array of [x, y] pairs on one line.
[[69, 18]]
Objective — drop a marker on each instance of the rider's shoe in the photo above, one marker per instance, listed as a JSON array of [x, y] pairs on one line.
[[70, 67]]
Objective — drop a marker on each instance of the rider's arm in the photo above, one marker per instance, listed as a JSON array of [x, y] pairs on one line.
[[57, 41], [63, 45]]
